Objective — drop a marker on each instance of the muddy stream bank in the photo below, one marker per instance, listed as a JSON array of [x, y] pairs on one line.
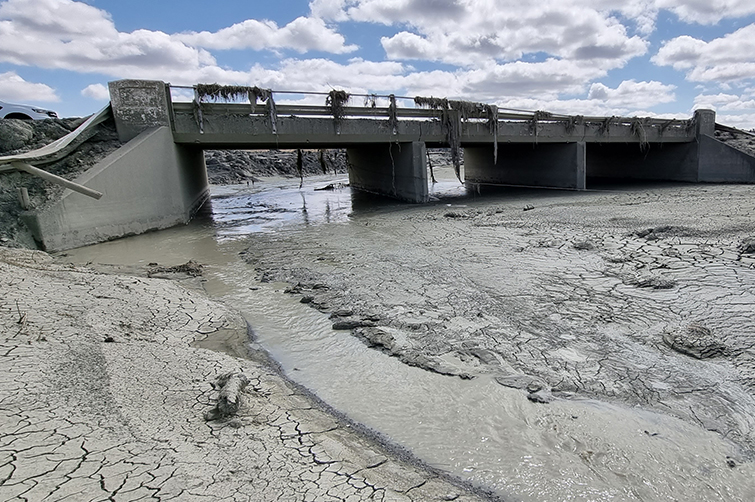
[[548, 345]]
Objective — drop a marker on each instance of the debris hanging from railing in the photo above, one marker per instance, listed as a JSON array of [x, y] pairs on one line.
[[335, 101]]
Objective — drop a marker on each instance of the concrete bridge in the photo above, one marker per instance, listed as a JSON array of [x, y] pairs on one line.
[[158, 178]]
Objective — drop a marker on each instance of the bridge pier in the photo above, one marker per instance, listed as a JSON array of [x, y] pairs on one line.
[[398, 170], [561, 165]]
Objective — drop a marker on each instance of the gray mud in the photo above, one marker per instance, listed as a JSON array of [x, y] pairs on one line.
[[643, 297], [490, 310]]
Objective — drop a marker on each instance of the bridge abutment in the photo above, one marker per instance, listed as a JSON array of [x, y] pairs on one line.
[[148, 184], [560, 165], [397, 170]]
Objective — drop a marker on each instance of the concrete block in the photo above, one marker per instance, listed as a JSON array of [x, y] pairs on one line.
[[397, 170], [148, 184], [139, 105], [561, 165], [705, 122]]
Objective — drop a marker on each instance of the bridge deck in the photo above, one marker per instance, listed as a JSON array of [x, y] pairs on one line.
[[231, 125]]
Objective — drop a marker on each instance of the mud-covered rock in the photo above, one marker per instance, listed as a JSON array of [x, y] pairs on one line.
[[696, 341], [747, 246], [345, 324], [652, 281], [14, 134]]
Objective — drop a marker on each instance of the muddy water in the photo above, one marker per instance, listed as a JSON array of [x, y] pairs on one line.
[[574, 449]]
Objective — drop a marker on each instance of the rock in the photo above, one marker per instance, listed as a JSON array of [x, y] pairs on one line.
[[696, 341], [542, 396], [583, 246], [351, 324], [190, 268], [342, 313], [747, 246], [650, 281], [521, 382], [14, 134], [485, 356]]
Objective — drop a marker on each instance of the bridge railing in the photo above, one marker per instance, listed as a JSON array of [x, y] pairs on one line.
[[451, 121], [477, 113]]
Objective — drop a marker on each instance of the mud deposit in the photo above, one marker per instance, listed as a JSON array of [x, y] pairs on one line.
[[548, 345]]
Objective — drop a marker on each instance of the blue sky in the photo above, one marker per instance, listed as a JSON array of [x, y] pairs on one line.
[[592, 57]]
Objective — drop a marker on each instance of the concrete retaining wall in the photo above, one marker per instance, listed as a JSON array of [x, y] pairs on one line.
[[150, 183], [721, 163], [547, 165], [397, 170]]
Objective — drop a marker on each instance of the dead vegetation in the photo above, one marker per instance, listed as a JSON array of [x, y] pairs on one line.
[[336, 101], [453, 114], [230, 93]]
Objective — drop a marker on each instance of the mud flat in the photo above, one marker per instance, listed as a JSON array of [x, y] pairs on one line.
[[105, 393], [641, 297], [473, 314]]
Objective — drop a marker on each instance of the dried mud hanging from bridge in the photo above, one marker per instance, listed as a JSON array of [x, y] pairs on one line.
[[643, 297]]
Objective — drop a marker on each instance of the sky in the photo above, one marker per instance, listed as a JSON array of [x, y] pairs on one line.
[[660, 58]]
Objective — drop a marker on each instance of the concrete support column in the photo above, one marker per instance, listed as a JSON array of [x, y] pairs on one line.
[[397, 170], [139, 105], [561, 165]]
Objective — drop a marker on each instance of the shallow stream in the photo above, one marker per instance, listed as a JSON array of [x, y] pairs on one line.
[[476, 429]]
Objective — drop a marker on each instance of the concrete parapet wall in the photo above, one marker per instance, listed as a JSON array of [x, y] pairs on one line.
[[150, 183], [139, 105], [397, 170], [721, 163], [546, 165]]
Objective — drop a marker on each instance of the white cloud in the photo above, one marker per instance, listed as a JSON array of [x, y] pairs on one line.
[[303, 34], [329, 9], [725, 102], [71, 35], [15, 88], [96, 91], [317, 74], [725, 59], [744, 121], [708, 11], [547, 79], [714, 101], [586, 107], [631, 94], [472, 32]]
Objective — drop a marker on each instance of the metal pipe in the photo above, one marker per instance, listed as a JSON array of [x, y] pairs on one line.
[[21, 166]]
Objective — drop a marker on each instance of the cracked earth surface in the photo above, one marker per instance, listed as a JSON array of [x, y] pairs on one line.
[[644, 297], [102, 394]]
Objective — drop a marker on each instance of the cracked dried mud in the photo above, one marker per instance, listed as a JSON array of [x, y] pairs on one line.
[[103, 390], [545, 345]]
